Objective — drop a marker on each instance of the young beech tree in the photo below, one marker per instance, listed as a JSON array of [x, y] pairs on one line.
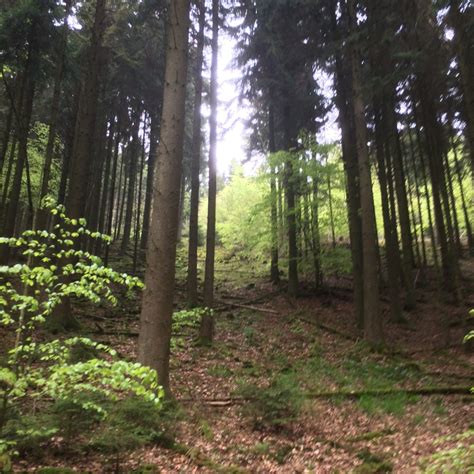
[[157, 304]]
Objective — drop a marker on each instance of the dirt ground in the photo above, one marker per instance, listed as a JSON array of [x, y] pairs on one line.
[[261, 333]]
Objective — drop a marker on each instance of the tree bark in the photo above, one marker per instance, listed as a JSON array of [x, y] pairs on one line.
[[157, 303], [274, 270], [133, 157], [206, 330], [41, 215], [149, 179], [372, 318]]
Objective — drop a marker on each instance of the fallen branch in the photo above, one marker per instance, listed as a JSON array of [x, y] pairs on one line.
[[226, 304], [423, 391], [327, 328], [351, 394]]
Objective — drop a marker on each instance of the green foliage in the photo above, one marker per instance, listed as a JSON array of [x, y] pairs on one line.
[[372, 464], [185, 320], [274, 406], [131, 422], [393, 404], [456, 460], [76, 371], [242, 220]]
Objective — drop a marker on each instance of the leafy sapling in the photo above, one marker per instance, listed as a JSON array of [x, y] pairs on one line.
[[42, 372]]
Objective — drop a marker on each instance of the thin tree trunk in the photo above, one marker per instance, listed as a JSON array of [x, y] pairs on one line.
[[316, 239], [15, 190], [139, 205], [206, 330], [331, 212], [149, 179], [111, 201], [132, 177], [457, 234], [274, 270], [6, 183], [41, 216], [434, 245], [106, 184], [6, 136], [467, 222], [391, 241]]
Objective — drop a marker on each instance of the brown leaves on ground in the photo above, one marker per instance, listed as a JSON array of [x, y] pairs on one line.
[[329, 435]]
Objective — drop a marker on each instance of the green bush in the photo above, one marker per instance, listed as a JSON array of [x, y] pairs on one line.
[[456, 460], [77, 372]]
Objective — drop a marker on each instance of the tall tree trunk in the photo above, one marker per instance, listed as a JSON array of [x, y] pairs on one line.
[[315, 235], [403, 210], [424, 177], [6, 136], [372, 318], [106, 184], [206, 331], [41, 216], [274, 270], [157, 304], [182, 199], [452, 200], [331, 212], [289, 185], [15, 190], [86, 119], [134, 155], [82, 152], [467, 221], [139, 205], [461, 22], [6, 182], [149, 179], [391, 241], [111, 201], [349, 155]]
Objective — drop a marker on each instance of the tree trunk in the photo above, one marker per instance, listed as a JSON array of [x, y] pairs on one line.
[[461, 23], [149, 179], [15, 190], [391, 240], [274, 270], [133, 157], [82, 152], [41, 216], [206, 330], [372, 318], [157, 304], [349, 156], [86, 119], [331, 212], [111, 201], [139, 205]]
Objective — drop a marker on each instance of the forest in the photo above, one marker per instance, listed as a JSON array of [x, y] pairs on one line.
[[236, 236]]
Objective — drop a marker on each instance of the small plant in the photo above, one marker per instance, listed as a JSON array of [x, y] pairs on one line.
[[274, 406], [45, 373], [185, 320], [456, 460]]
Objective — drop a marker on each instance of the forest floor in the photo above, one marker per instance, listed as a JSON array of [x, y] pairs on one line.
[[311, 343]]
